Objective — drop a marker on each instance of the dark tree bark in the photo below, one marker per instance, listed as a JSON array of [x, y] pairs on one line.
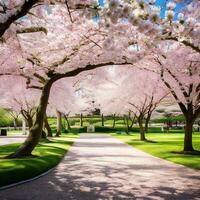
[[28, 4], [140, 119], [142, 132], [189, 122], [132, 122], [68, 124], [29, 121], [59, 123], [44, 135], [190, 116], [36, 130], [102, 120], [127, 124], [47, 126], [81, 120], [188, 136], [147, 123]]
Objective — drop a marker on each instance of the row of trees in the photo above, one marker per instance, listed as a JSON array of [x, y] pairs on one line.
[[61, 39]]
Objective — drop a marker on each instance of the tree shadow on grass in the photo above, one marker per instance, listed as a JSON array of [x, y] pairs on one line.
[[150, 141], [145, 141], [10, 148], [44, 158], [194, 153]]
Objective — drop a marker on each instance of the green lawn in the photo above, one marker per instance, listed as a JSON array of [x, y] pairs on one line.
[[15, 132], [48, 154], [166, 142]]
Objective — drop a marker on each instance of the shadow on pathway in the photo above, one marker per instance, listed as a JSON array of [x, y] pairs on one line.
[[102, 167]]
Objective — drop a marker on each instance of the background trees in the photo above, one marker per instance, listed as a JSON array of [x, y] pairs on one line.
[[17, 99], [61, 39], [128, 91]]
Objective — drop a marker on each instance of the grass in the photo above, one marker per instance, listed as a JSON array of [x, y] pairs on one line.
[[166, 143], [15, 132], [48, 154], [5, 118]]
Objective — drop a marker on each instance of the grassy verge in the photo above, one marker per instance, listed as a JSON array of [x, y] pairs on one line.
[[15, 133], [49, 154], [165, 144]]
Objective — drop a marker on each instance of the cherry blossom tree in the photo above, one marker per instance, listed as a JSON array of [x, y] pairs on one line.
[[18, 99], [11, 11], [42, 71], [60, 43], [146, 17], [145, 93], [180, 72]]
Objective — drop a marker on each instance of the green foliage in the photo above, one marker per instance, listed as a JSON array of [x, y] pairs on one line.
[[77, 130], [93, 120], [164, 119], [48, 154], [106, 129], [72, 122], [5, 118], [166, 143]]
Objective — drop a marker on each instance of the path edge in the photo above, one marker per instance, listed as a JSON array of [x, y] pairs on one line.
[[30, 179], [38, 176]]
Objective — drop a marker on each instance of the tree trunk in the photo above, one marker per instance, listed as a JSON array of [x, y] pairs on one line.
[[36, 130], [142, 132], [47, 126], [147, 123], [44, 135], [68, 124], [102, 120], [59, 123], [114, 117], [29, 120], [188, 136], [81, 120], [127, 124], [132, 122]]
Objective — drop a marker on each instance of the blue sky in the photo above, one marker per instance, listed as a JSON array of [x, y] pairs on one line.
[[101, 2]]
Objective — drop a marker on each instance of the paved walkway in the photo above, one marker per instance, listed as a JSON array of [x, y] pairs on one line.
[[101, 167], [11, 139]]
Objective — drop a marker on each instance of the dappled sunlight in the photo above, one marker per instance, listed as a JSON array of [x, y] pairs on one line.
[[46, 155], [101, 167]]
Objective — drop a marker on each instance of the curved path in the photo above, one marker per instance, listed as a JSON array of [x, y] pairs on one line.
[[102, 167]]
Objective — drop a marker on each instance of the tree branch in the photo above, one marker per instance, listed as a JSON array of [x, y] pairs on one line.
[[86, 68], [24, 9], [186, 43], [32, 30]]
